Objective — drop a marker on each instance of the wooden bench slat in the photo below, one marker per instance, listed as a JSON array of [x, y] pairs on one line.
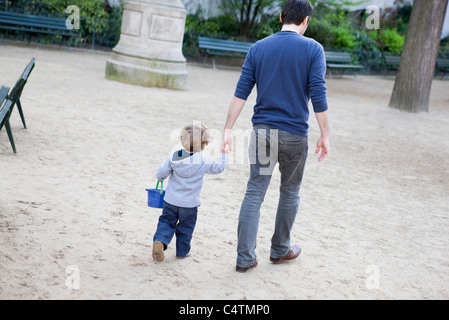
[[345, 66], [37, 31], [5, 113], [26, 15], [21, 17], [37, 24], [443, 67], [222, 47], [340, 60], [392, 62], [3, 94], [443, 63], [3, 109]]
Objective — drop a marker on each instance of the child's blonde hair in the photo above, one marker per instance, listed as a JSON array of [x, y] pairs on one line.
[[194, 137]]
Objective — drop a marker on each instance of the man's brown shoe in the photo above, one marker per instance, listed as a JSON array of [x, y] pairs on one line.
[[244, 269], [292, 254]]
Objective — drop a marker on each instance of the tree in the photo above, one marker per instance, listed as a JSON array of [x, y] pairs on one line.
[[247, 13], [413, 83]]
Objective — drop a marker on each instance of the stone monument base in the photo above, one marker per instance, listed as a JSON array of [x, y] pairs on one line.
[[149, 52], [147, 73]]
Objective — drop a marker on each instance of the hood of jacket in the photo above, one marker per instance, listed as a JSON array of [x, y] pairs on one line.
[[186, 164]]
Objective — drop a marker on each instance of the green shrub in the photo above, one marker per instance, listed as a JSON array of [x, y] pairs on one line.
[[403, 18], [345, 38], [333, 30], [390, 40], [323, 32], [223, 26], [89, 10], [269, 27]]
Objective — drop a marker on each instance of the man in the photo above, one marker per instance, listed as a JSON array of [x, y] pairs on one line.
[[289, 69]]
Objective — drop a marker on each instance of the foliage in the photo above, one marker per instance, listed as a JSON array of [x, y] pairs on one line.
[[249, 14], [322, 31], [220, 25], [268, 27], [346, 38], [403, 18], [335, 27], [94, 18], [390, 40], [196, 25], [90, 10]]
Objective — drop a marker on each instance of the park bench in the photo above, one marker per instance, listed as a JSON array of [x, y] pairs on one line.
[[12, 99], [33, 24], [5, 113], [341, 61], [443, 66], [228, 48], [392, 62]]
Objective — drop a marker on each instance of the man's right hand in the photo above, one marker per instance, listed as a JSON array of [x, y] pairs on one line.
[[323, 145], [226, 142], [323, 142]]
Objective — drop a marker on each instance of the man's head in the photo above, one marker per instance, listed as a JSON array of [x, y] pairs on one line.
[[296, 11]]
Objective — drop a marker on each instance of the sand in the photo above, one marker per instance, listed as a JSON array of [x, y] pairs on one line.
[[74, 221]]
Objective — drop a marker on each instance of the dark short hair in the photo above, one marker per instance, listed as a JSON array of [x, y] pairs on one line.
[[295, 11]]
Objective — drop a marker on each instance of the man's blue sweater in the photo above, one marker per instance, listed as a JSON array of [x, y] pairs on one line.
[[288, 69]]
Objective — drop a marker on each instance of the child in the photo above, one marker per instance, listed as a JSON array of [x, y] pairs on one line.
[[186, 169]]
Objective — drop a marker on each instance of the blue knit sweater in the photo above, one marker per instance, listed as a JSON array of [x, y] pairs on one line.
[[289, 70]]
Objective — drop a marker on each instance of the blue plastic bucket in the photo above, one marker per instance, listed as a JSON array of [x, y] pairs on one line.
[[156, 196]]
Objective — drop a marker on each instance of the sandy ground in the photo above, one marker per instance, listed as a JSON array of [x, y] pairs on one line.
[[74, 222]]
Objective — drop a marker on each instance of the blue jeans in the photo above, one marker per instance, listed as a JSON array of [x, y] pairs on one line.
[[176, 220], [268, 147]]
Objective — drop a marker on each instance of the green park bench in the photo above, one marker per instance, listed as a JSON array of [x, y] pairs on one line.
[[228, 48], [5, 113], [392, 62], [341, 61], [443, 66], [8, 101], [33, 25]]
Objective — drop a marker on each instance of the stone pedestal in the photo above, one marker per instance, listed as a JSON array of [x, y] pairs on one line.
[[149, 52]]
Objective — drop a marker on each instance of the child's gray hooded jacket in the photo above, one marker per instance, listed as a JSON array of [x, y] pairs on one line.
[[186, 173]]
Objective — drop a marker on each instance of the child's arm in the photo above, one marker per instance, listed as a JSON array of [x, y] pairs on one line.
[[216, 167], [164, 171]]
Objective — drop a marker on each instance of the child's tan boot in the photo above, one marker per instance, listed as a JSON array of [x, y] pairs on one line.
[[158, 251]]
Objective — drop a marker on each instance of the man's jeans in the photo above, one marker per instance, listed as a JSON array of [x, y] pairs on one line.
[[268, 147]]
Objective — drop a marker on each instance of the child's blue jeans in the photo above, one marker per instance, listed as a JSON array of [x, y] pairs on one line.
[[176, 220]]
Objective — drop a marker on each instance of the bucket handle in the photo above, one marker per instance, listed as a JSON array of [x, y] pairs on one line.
[[162, 186]]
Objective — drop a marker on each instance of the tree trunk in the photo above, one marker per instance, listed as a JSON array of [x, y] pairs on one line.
[[417, 67]]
